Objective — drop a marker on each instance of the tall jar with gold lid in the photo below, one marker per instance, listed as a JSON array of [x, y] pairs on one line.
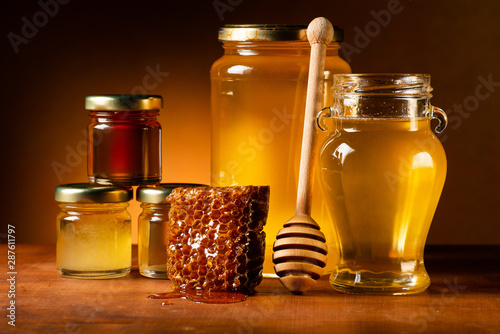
[[258, 101]]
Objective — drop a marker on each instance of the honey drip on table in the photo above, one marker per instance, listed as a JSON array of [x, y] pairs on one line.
[[201, 296]]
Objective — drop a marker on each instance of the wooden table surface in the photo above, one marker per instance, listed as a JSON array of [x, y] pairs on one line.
[[464, 297]]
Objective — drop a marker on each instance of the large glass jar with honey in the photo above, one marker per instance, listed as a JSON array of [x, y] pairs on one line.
[[382, 173], [258, 102]]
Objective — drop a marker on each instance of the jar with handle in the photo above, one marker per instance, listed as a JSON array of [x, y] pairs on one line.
[[382, 172]]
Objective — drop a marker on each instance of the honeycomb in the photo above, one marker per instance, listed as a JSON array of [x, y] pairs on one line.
[[215, 237]]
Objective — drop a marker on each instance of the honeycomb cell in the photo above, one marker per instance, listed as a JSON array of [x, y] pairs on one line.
[[215, 215], [216, 237], [223, 228], [224, 219]]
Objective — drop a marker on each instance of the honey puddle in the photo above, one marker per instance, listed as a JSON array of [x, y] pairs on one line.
[[201, 296]]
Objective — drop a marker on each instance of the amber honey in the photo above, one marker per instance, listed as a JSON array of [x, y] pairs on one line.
[[382, 179], [201, 296], [258, 104], [124, 139], [216, 239]]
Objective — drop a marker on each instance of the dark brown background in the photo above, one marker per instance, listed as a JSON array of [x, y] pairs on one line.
[[91, 47]]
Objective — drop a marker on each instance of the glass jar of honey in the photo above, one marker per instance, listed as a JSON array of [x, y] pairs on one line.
[[258, 102], [153, 222], [93, 231], [382, 172], [124, 146]]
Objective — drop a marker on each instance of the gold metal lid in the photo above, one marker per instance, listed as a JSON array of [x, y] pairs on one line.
[[124, 102], [90, 193], [270, 33], [158, 194]]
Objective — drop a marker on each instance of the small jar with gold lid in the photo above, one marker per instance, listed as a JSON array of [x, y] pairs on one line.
[[153, 222], [124, 139], [93, 231]]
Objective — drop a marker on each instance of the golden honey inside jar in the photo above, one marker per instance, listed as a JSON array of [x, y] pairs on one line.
[[216, 238], [258, 93], [382, 172], [93, 231]]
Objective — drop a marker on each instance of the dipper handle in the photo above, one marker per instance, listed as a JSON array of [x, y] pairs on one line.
[[319, 34], [300, 250]]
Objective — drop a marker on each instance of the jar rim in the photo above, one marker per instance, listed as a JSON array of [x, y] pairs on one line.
[[396, 85], [383, 74]]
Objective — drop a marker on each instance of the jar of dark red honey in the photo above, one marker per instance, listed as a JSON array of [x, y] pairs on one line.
[[124, 139]]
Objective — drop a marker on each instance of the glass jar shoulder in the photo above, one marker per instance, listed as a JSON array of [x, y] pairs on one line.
[[269, 67], [71, 211], [397, 140], [154, 212], [140, 117]]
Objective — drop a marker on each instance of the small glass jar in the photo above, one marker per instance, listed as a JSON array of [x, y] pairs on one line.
[[93, 231], [153, 221], [124, 139], [258, 96]]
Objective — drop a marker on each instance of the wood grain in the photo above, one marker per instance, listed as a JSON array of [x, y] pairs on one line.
[[464, 297]]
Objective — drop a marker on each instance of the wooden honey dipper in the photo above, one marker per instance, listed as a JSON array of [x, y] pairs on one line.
[[300, 250]]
